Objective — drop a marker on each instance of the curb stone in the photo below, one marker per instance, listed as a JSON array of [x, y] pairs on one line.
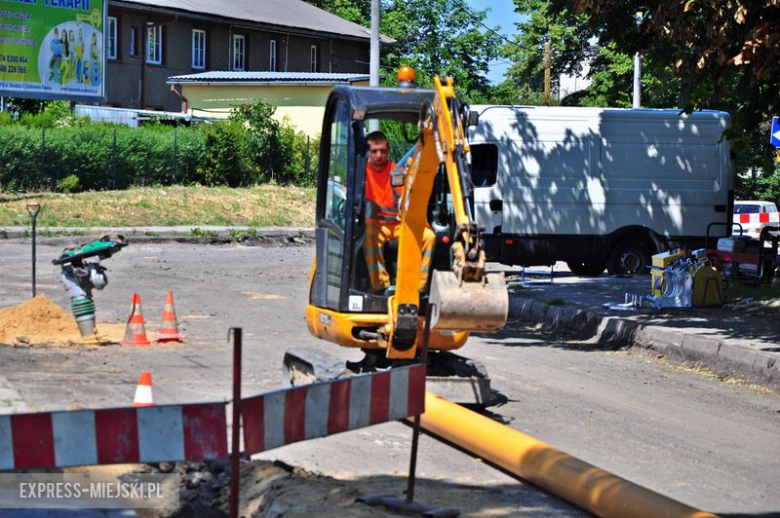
[[616, 331], [182, 234]]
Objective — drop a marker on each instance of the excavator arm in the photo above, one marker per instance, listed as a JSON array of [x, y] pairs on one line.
[[465, 298]]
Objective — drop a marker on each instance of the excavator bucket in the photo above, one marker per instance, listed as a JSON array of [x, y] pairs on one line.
[[468, 306]]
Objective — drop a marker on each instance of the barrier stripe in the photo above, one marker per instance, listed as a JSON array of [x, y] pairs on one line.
[[359, 402], [33, 440], [338, 407], [308, 412], [6, 445], [763, 217], [398, 396], [295, 415], [74, 438], [160, 434], [253, 417], [416, 405], [204, 445], [272, 427], [317, 407], [117, 436], [380, 398], [110, 436]]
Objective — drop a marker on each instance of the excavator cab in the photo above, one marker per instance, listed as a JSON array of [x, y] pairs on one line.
[[343, 307]]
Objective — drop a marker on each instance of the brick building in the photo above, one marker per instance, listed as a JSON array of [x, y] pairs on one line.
[[149, 41]]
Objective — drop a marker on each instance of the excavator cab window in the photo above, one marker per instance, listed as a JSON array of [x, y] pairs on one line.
[[332, 230]]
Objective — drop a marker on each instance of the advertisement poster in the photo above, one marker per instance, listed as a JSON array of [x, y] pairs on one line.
[[52, 49]]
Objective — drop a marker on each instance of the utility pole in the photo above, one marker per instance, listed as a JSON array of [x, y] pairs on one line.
[[547, 73]]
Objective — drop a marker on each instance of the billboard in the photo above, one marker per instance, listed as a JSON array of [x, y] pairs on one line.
[[52, 49]]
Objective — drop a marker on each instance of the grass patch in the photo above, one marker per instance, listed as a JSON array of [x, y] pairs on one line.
[[736, 290], [260, 206]]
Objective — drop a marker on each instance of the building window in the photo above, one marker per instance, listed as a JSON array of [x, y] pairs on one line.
[[198, 49], [314, 61], [154, 44], [112, 38], [272, 57], [239, 53], [133, 41]]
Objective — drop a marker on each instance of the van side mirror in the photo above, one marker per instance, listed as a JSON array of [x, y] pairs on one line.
[[473, 119]]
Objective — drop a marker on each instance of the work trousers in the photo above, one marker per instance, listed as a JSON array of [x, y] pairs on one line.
[[377, 234]]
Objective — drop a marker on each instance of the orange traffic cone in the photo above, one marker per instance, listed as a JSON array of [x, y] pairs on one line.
[[143, 393], [136, 331], [169, 331]]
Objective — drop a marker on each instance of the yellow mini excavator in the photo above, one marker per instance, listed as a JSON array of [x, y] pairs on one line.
[[460, 295]]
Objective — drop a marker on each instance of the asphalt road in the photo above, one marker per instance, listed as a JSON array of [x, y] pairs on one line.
[[706, 443]]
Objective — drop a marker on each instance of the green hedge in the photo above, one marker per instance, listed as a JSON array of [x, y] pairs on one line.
[[100, 157]]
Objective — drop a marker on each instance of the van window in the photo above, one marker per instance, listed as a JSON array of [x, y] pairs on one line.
[[484, 164]]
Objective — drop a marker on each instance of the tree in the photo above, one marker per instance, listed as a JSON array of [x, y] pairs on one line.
[[358, 11], [439, 37], [567, 33]]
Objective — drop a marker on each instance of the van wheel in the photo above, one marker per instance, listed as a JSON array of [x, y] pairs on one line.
[[585, 269], [629, 258]]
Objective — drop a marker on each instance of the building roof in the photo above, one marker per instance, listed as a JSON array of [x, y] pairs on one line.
[[253, 78], [284, 14]]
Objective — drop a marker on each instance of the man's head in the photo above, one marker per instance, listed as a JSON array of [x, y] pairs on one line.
[[377, 150]]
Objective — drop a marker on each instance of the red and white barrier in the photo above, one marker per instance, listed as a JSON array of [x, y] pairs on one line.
[[113, 436], [755, 219], [297, 414]]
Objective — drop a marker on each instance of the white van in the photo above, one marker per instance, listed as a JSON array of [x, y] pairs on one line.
[[598, 188], [749, 215]]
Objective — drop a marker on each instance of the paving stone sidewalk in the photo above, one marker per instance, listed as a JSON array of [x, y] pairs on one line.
[[740, 340]]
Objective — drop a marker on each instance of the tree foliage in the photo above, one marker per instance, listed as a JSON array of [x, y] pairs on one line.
[[440, 37], [358, 11], [567, 33], [435, 37]]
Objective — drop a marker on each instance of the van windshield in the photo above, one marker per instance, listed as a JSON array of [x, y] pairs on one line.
[[746, 209]]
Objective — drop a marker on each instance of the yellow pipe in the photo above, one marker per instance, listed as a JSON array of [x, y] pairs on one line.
[[578, 482]]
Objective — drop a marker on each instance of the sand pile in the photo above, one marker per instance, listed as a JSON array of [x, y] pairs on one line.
[[39, 321]]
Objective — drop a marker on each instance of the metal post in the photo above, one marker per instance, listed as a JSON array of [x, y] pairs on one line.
[[639, 17], [637, 80], [308, 155], [373, 62], [176, 153], [416, 428], [113, 162], [235, 454], [33, 208], [43, 153]]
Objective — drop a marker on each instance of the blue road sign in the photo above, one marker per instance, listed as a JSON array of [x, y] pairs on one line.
[[774, 138]]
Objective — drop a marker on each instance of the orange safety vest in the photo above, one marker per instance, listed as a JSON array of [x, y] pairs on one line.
[[382, 195]]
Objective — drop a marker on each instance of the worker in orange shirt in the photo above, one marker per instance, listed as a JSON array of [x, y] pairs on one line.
[[382, 220]]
